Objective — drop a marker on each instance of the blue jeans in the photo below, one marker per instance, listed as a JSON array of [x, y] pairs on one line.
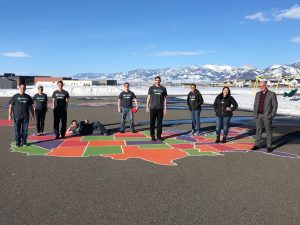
[[21, 130], [124, 113], [195, 120], [222, 122]]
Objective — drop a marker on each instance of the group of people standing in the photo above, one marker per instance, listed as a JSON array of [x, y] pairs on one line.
[[265, 108], [21, 103]]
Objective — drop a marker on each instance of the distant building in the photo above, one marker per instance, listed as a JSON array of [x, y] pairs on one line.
[[108, 82], [7, 83]]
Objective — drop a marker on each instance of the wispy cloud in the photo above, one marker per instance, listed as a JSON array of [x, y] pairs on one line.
[[179, 53], [17, 54], [292, 13], [296, 40], [149, 46], [276, 15], [259, 16]]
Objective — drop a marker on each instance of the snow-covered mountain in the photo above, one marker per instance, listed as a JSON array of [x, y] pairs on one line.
[[207, 73]]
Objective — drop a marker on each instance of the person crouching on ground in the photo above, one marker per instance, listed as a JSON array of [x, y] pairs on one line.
[[125, 107], [194, 102], [224, 105]]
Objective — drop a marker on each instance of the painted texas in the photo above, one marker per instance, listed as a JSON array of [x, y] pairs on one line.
[[177, 144]]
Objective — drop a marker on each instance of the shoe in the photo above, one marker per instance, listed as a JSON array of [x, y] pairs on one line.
[[254, 148], [24, 144], [56, 137], [200, 133], [160, 139], [19, 145], [38, 134], [192, 132], [223, 139], [62, 137], [153, 138], [270, 150], [122, 131], [218, 139], [134, 131]]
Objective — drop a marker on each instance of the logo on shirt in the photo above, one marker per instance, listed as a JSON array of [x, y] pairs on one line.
[[157, 91], [60, 96], [22, 99]]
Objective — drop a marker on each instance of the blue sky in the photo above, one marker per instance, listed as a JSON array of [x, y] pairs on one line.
[[74, 36]]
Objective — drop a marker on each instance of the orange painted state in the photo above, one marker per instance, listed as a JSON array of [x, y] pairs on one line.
[[67, 151], [158, 156], [129, 134], [106, 143]]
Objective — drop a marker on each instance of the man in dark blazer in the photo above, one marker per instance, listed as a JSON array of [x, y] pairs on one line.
[[265, 108]]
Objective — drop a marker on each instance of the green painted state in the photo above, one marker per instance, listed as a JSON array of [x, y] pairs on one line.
[[155, 146], [102, 150], [30, 150], [174, 141], [146, 132], [97, 138], [133, 138], [196, 152]]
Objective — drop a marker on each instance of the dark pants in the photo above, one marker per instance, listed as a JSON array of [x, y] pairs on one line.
[[60, 116], [21, 130], [156, 115], [222, 122], [97, 126], [262, 121], [40, 120]]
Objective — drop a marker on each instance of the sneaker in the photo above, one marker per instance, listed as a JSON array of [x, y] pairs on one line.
[[199, 133], [254, 148], [134, 131], [153, 138], [160, 139], [24, 144], [270, 150], [19, 145], [56, 137], [192, 132], [122, 131]]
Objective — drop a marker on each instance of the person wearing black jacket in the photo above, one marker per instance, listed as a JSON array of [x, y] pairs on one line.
[[194, 102], [224, 105]]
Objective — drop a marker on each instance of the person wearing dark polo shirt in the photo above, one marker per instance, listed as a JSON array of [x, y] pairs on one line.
[[40, 107], [60, 106], [157, 106], [125, 107], [19, 106], [265, 108]]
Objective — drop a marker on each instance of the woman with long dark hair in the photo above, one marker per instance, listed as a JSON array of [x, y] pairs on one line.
[[224, 105]]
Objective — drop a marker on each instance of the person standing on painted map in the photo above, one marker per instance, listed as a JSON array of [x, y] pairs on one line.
[[224, 105], [125, 107], [157, 106], [40, 107], [19, 106], [194, 102], [60, 102], [265, 108]]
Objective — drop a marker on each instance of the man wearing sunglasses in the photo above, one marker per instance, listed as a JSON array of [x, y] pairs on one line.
[[265, 108]]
